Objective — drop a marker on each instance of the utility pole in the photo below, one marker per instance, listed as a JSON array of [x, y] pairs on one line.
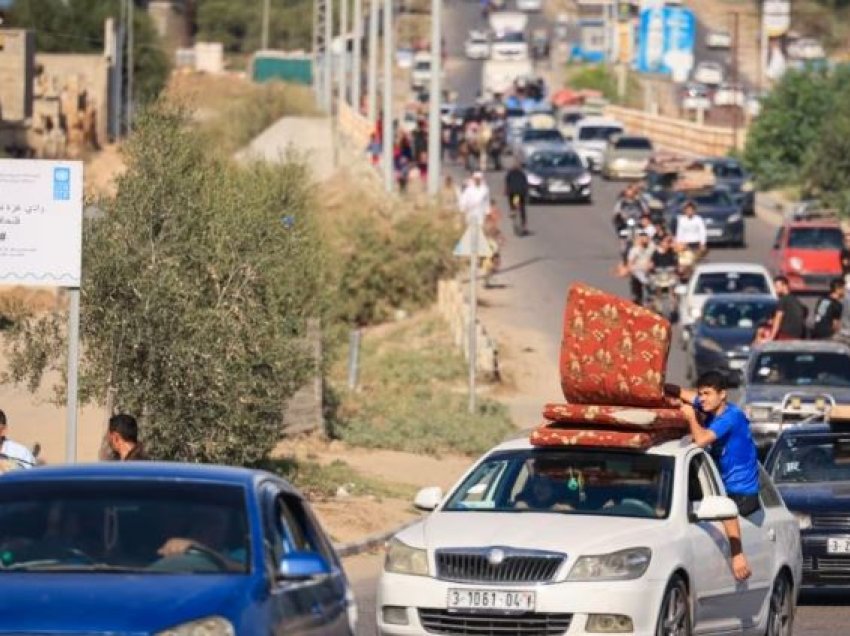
[[372, 72], [118, 73], [434, 135], [736, 88], [343, 55], [388, 96], [265, 27], [131, 12], [357, 43], [327, 65], [473, 309]]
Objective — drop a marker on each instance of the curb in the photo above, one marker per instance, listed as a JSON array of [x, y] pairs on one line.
[[370, 542]]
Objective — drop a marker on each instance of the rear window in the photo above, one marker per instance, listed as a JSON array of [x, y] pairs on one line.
[[816, 238], [633, 143], [731, 283], [601, 133], [511, 38], [542, 135], [728, 171]]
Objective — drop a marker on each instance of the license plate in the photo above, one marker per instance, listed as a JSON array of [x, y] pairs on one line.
[[715, 232], [560, 187], [737, 364], [835, 545], [497, 600]]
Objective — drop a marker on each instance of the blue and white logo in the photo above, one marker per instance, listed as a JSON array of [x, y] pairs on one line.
[[61, 184]]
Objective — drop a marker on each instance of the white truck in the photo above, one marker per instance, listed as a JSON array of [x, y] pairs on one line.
[[498, 77], [509, 41]]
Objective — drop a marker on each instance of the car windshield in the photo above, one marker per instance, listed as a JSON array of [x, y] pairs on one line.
[[571, 118], [569, 481], [555, 160], [731, 283], [633, 143], [737, 314], [816, 238], [797, 368], [728, 171], [423, 66], [545, 134], [119, 525], [600, 133], [511, 38], [713, 199], [811, 459]]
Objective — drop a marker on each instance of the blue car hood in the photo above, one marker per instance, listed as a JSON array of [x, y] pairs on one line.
[[817, 497], [729, 337], [104, 603]]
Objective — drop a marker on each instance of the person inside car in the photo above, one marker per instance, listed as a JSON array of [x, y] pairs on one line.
[[208, 534], [726, 430]]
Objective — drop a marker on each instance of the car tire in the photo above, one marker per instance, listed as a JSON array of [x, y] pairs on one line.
[[780, 610], [674, 616]]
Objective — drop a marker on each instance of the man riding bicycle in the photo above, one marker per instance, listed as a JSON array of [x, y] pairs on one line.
[[516, 189]]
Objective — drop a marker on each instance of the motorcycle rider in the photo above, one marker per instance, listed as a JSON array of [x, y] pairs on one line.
[[516, 189], [664, 262], [629, 207], [691, 238], [639, 264]]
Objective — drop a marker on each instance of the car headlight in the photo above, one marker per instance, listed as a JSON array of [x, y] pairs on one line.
[[747, 186], [709, 344], [656, 204], [617, 566], [583, 179], [758, 413], [734, 218], [533, 179], [619, 162], [403, 559], [696, 312], [796, 263], [804, 520], [209, 626]]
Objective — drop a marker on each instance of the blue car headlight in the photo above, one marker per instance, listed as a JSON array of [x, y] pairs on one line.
[[584, 179], [734, 218], [533, 179], [209, 626]]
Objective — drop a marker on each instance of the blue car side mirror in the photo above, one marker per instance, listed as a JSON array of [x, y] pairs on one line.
[[303, 565]]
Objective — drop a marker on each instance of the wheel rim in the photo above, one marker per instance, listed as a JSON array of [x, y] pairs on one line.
[[780, 609], [675, 620]]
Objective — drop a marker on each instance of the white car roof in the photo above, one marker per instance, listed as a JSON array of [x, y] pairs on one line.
[[743, 268], [673, 448]]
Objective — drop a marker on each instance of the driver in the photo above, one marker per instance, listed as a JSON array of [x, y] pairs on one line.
[[540, 494], [208, 532]]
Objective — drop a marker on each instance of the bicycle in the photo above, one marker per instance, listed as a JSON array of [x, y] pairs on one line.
[[518, 214]]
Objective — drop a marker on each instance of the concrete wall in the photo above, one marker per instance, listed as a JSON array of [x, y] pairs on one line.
[[17, 50]]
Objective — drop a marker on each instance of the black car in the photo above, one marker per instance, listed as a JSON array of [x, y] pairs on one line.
[[557, 175], [732, 175], [723, 334], [810, 465], [724, 222]]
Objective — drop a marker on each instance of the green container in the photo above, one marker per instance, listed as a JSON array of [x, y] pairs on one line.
[[268, 66]]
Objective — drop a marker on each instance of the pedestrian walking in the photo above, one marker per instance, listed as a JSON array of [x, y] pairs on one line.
[[475, 200], [789, 322], [123, 437]]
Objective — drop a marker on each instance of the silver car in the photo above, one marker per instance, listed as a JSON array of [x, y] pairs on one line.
[[534, 139], [792, 381]]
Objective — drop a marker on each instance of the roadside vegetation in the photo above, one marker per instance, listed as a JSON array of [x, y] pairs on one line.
[[602, 78], [412, 395]]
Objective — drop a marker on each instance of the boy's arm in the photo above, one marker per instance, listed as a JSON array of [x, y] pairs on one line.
[[702, 436]]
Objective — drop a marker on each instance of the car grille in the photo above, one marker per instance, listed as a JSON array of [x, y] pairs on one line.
[[817, 280], [808, 564], [518, 566], [831, 522], [445, 622], [833, 566]]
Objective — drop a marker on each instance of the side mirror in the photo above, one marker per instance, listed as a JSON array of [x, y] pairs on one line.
[[680, 290], [428, 498], [715, 508], [303, 565]]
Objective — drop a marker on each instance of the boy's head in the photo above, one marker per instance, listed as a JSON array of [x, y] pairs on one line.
[[711, 388]]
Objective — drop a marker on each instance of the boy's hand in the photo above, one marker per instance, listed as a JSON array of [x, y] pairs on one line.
[[740, 567]]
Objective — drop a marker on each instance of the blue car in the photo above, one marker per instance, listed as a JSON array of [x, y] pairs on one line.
[[810, 465], [148, 548]]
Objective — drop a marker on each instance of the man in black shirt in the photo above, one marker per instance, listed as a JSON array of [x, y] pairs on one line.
[[664, 255], [789, 323], [516, 189], [828, 311]]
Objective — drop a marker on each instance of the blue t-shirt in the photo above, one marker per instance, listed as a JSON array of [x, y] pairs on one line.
[[734, 450]]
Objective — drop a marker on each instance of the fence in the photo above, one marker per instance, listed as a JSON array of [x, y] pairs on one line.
[[679, 135], [454, 308]]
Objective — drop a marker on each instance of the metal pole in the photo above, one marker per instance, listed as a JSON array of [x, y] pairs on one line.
[[372, 73], [327, 63], [73, 367], [130, 15], [735, 79], [353, 358], [356, 62], [434, 136], [343, 56], [473, 310], [118, 76], [265, 27], [388, 95]]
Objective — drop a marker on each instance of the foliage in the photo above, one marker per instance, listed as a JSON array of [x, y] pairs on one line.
[[412, 397], [237, 24], [827, 168], [597, 77], [76, 26], [195, 298]]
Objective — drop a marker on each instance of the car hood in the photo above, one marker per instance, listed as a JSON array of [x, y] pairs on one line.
[[558, 532], [558, 173], [91, 603], [631, 155], [592, 144], [727, 338], [717, 213], [817, 497], [773, 394], [817, 260]]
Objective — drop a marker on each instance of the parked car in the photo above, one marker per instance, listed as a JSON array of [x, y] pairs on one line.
[[718, 40], [156, 548], [723, 334], [477, 46], [695, 96], [789, 380], [575, 540], [810, 467], [722, 214], [733, 176], [709, 73], [558, 175], [591, 138], [808, 252], [714, 279], [533, 139], [626, 157], [729, 95]]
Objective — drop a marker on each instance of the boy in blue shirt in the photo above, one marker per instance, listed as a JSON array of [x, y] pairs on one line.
[[726, 429]]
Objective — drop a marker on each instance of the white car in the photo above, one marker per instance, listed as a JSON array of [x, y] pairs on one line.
[[709, 73], [729, 95], [509, 46], [529, 6], [574, 540], [477, 46], [591, 139], [695, 97], [718, 40], [711, 279]]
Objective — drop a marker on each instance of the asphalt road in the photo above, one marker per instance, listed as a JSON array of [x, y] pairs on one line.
[[572, 243]]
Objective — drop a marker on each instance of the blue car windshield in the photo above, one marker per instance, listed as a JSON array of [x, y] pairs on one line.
[[795, 368], [157, 527], [731, 283], [569, 481], [811, 459]]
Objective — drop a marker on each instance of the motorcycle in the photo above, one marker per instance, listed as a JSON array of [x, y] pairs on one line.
[[662, 299], [688, 258]]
